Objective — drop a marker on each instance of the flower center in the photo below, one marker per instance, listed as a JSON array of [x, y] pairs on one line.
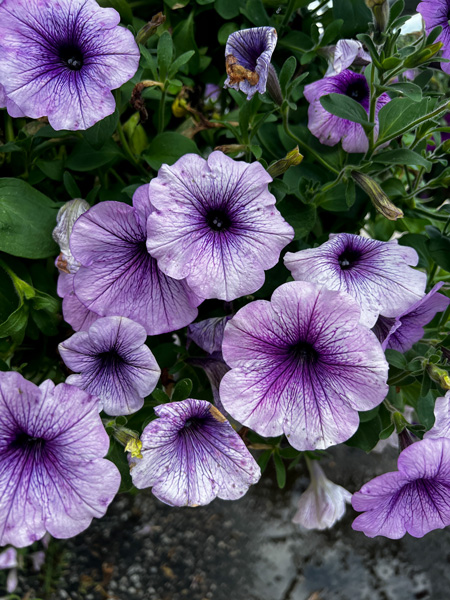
[[27, 442], [110, 359], [358, 90], [304, 352], [348, 259], [218, 220], [71, 56]]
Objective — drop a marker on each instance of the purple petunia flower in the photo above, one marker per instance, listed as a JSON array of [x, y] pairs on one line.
[[435, 13], [322, 504], [191, 455], [119, 277], [402, 332], [216, 225], [331, 129], [62, 59], [302, 365], [52, 474], [415, 499], [114, 364], [376, 274], [345, 54], [441, 427], [247, 54]]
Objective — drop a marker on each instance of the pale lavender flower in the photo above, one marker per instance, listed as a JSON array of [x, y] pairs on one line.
[[402, 332], [65, 220], [74, 312], [441, 427], [435, 13], [376, 274], [331, 129], [302, 365], [323, 502], [119, 277], [113, 363], [346, 53], [191, 455], [62, 59], [248, 54], [52, 474], [216, 225], [415, 499], [8, 560]]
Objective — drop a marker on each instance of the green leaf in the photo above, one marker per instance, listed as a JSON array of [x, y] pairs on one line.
[[167, 148], [287, 72], [263, 459], [410, 90], [225, 31], [179, 62], [439, 250], [53, 169], [256, 13], [165, 54], [367, 435], [27, 219], [71, 185], [396, 10], [228, 9], [122, 7], [387, 432], [350, 192], [280, 470], [297, 41], [396, 359], [85, 158], [398, 114], [118, 456], [182, 390], [101, 132], [331, 32], [355, 15], [160, 397], [346, 108], [301, 216], [184, 41], [403, 156], [425, 408]]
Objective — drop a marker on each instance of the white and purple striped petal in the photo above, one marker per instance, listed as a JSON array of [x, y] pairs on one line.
[[215, 224], [415, 499], [302, 365], [118, 277], [62, 59], [112, 363], [52, 474], [378, 275], [191, 455]]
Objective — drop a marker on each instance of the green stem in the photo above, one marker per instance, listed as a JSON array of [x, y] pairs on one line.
[[161, 112], [373, 103], [303, 145], [288, 14]]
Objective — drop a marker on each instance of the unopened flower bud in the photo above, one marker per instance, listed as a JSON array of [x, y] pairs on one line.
[[380, 12], [231, 148], [440, 376], [292, 159], [420, 57], [65, 220], [150, 28], [379, 198], [273, 86], [127, 438]]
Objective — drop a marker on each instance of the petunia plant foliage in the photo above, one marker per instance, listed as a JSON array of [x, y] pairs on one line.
[[224, 248]]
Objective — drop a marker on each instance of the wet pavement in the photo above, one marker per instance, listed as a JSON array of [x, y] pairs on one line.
[[250, 550]]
